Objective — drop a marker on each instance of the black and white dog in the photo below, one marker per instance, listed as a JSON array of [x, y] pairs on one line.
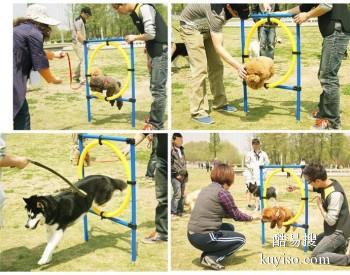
[[254, 189], [62, 210]]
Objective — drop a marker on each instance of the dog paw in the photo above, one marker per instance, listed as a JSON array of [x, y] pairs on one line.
[[44, 261]]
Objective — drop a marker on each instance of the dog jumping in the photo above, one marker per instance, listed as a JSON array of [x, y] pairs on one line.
[[277, 216], [61, 211], [100, 82]]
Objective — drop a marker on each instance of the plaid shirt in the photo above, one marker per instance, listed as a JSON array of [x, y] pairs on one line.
[[231, 208]]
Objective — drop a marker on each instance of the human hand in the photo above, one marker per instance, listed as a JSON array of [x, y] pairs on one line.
[[59, 54], [301, 17], [241, 71], [256, 217], [179, 177], [130, 38], [21, 162]]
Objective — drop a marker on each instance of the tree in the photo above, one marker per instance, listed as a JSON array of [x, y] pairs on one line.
[[214, 143]]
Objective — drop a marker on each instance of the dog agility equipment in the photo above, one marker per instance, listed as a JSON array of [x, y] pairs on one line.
[[304, 200], [130, 80], [295, 62], [75, 189], [130, 172]]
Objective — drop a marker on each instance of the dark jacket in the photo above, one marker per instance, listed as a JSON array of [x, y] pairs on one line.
[[178, 165]]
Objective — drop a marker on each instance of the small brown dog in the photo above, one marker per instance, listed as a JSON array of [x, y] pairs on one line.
[[99, 83], [277, 216], [258, 71]]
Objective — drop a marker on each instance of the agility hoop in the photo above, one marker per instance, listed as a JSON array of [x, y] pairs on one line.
[[292, 65], [128, 62], [126, 167], [301, 187]]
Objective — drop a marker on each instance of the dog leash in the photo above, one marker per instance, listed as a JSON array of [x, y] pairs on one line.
[[71, 74], [76, 189]]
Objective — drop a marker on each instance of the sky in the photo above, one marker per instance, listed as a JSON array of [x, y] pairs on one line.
[[57, 11], [240, 140]]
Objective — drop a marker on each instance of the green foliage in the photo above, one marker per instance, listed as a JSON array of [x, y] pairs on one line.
[[106, 21], [199, 151], [329, 149], [214, 144]]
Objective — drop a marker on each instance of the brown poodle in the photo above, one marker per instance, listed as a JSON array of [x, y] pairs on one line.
[[99, 83], [277, 216], [258, 71]]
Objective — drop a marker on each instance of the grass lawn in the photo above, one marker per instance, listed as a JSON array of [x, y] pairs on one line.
[[186, 257], [109, 246], [268, 109], [58, 107]]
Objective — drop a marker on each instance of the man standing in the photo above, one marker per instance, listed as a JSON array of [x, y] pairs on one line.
[[267, 32], [78, 37], [252, 161], [154, 31], [334, 25], [201, 28], [333, 243], [179, 175]]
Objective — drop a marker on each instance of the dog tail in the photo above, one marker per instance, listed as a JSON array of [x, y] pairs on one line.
[[104, 194]]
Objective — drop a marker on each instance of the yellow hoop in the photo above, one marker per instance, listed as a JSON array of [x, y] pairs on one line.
[[128, 62], [126, 167], [302, 192], [292, 65]]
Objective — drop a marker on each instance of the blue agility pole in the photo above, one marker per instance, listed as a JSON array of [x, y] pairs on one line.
[[305, 226], [297, 87], [88, 94], [133, 224]]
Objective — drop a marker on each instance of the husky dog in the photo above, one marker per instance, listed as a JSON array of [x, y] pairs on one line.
[[61, 211]]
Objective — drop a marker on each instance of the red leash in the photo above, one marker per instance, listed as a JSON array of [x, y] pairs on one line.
[[71, 75]]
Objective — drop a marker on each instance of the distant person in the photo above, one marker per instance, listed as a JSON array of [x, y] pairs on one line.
[[266, 32], [252, 161], [78, 38], [179, 175]]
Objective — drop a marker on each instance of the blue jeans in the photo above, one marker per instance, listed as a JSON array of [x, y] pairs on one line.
[[177, 203], [22, 119], [333, 50], [328, 247], [159, 76], [267, 37], [161, 179]]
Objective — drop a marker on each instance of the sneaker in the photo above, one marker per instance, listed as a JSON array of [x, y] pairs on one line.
[[227, 108], [153, 239], [204, 120], [209, 262], [321, 124]]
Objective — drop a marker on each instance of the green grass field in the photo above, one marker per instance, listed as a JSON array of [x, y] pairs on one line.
[[58, 107], [109, 247], [268, 109], [186, 257]]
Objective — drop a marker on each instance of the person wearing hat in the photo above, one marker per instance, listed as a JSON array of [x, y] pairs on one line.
[[78, 37], [29, 34], [201, 28], [252, 161], [154, 32]]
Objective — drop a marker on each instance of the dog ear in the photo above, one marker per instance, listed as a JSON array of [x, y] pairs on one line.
[[254, 81], [273, 224], [26, 200]]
